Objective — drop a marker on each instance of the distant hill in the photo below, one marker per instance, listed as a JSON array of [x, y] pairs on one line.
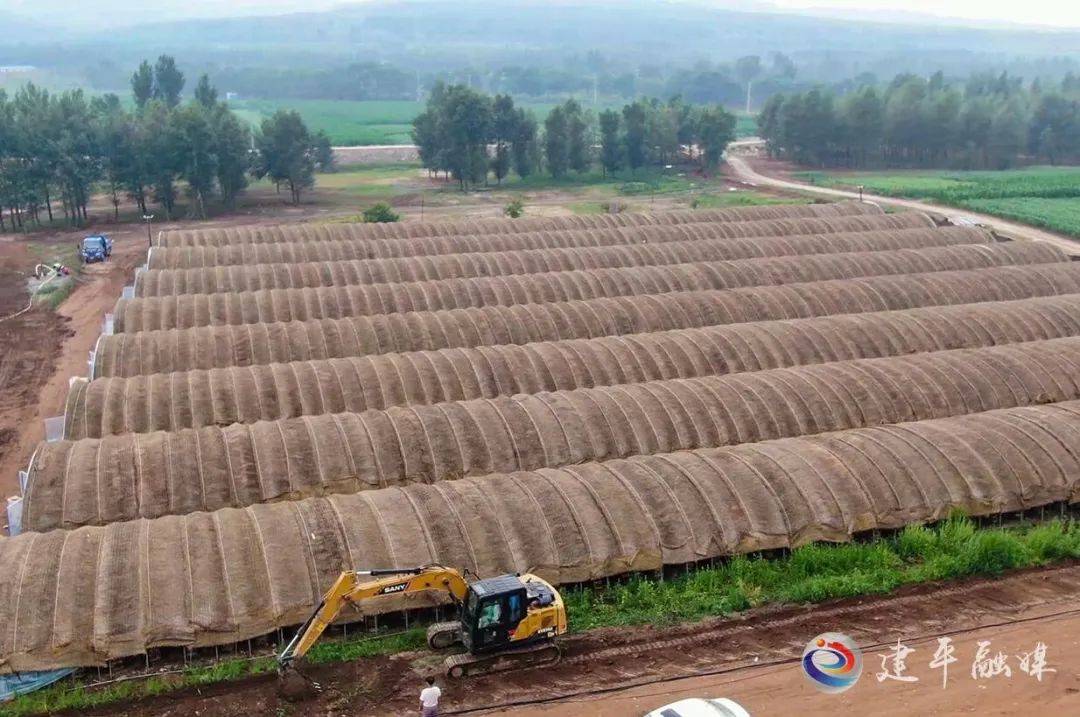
[[582, 37], [102, 14], [480, 30]]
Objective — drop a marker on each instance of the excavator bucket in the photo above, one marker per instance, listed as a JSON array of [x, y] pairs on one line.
[[294, 685]]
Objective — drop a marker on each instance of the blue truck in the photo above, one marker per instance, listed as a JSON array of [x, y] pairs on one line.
[[95, 248]]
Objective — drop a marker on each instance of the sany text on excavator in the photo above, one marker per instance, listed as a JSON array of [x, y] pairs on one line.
[[504, 622]]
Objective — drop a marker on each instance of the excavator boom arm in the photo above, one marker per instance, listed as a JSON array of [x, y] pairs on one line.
[[355, 586]]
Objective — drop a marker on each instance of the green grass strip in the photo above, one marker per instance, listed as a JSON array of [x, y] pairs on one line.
[[740, 199], [346, 650], [955, 548]]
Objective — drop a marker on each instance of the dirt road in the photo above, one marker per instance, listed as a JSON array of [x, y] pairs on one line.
[[1013, 613], [623, 671], [741, 168], [28, 351], [45, 349], [776, 689]]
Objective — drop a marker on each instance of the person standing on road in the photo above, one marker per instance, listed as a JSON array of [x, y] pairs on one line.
[[429, 699]]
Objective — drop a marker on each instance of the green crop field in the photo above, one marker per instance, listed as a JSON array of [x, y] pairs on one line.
[[347, 123], [745, 125], [1042, 196], [352, 123], [1061, 215]]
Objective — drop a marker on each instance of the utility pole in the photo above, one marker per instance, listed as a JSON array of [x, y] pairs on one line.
[[149, 237]]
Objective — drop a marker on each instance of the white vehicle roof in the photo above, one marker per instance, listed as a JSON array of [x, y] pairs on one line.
[[700, 707]]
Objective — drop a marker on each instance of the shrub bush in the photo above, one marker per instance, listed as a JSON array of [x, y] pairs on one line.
[[380, 213], [514, 208]]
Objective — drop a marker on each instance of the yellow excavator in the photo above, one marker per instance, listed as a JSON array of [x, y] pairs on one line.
[[504, 622]]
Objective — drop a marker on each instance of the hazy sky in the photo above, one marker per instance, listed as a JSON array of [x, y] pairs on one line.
[[1060, 13]]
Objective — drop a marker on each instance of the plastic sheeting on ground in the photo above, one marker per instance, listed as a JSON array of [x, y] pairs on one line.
[[11, 686]]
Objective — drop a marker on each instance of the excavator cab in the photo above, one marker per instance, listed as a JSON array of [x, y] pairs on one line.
[[503, 622], [492, 611]]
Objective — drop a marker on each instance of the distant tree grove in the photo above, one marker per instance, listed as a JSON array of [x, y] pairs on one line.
[[731, 83], [56, 150], [991, 121], [473, 137]]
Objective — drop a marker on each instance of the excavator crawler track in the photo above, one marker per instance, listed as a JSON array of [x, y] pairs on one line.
[[442, 635], [467, 665]]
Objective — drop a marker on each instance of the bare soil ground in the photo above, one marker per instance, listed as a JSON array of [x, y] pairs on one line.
[[41, 350], [623, 671], [775, 689], [29, 350]]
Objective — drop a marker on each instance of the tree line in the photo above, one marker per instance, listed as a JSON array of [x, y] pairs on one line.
[[473, 137], [595, 75], [990, 121], [58, 149]]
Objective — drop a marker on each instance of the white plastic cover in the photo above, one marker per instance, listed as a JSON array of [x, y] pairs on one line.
[[14, 515]]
